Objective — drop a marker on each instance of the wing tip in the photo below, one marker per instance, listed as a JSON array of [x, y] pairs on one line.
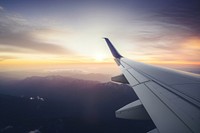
[[113, 50]]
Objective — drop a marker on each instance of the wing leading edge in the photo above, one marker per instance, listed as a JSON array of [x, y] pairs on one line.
[[169, 97]]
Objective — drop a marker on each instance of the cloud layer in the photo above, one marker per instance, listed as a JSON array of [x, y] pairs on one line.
[[152, 31], [16, 35]]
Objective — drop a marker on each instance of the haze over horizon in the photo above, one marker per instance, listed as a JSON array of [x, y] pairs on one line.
[[67, 35]]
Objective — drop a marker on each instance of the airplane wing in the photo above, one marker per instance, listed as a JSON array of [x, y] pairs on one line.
[[171, 98]]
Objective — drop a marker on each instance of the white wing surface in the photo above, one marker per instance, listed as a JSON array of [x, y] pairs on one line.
[[171, 98]]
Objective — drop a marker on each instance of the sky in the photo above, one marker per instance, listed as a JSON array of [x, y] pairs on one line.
[[67, 34]]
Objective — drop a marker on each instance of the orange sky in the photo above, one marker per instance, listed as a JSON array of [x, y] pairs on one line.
[[184, 56], [71, 36]]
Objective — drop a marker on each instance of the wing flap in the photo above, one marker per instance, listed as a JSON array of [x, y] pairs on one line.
[[120, 79], [134, 110]]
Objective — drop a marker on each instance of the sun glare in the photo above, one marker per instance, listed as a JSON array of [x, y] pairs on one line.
[[100, 57]]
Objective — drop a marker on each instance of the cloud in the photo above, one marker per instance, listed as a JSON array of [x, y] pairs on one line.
[[172, 44], [2, 58], [35, 131], [23, 40], [183, 13], [173, 34], [15, 32], [1, 8], [11, 49], [168, 26]]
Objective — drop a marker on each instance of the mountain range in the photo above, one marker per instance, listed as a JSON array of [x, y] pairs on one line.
[[60, 104]]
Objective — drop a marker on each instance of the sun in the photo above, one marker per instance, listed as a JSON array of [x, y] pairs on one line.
[[100, 57]]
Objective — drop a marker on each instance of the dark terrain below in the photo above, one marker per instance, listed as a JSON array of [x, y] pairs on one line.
[[56, 104]]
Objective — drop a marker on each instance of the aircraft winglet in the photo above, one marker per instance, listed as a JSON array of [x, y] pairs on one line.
[[113, 50]]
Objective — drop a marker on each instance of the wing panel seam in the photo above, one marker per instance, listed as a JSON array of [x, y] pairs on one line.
[[169, 108], [174, 91]]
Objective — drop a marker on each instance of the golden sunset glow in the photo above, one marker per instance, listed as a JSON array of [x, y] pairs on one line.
[[100, 57], [59, 38]]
